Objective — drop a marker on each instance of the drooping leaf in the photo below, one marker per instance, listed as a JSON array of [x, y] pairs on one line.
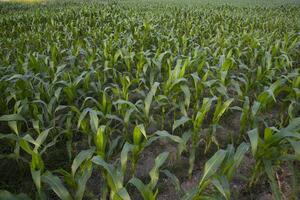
[[154, 173], [212, 165], [180, 122], [12, 117], [56, 185], [80, 158], [142, 188]]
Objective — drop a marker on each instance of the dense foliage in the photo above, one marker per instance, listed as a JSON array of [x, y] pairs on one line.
[[88, 89]]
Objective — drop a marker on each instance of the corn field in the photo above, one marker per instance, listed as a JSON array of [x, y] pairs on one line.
[[150, 100]]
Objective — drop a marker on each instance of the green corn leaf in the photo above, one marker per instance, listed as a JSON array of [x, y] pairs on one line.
[[37, 162], [220, 109], [12, 117], [192, 156], [189, 195], [5, 195], [174, 180], [41, 139], [8, 136], [36, 125], [212, 165], [128, 115], [154, 173], [28, 138], [142, 188], [25, 146], [268, 134], [149, 98], [123, 194], [94, 121], [271, 176], [291, 131], [255, 108], [124, 156], [174, 138], [222, 186], [80, 158], [124, 102], [296, 146], [164, 134], [270, 92], [180, 122], [237, 160], [56, 185], [113, 117], [113, 145], [51, 143], [240, 153], [82, 116], [224, 64], [187, 95], [293, 127], [177, 82], [245, 114], [14, 126], [253, 136], [36, 177], [114, 180], [138, 131], [206, 104], [184, 139], [263, 98], [100, 140], [81, 182]]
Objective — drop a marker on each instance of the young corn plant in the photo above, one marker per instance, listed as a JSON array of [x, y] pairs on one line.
[[218, 172], [100, 140], [249, 118], [268, 97], [219, 112], [139, 143], [197, 123], [148, 101], [37, 165], [76, 180], [114, 175], [225, 63], [89, 127], [127, 111], [175, 76], [271, 149], [14, 122], [148, 191], [200, 83]]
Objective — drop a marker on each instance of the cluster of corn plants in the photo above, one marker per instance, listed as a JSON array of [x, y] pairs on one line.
[[88, 90]]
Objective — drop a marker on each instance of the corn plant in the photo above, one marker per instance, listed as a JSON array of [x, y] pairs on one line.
[[197, 123], [218, 172], [270, 150], [114, 178], [148, 191], [139, 134], [81, 171], [219, 112]]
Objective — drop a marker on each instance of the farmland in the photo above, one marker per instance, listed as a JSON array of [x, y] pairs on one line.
[[150, 100]]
